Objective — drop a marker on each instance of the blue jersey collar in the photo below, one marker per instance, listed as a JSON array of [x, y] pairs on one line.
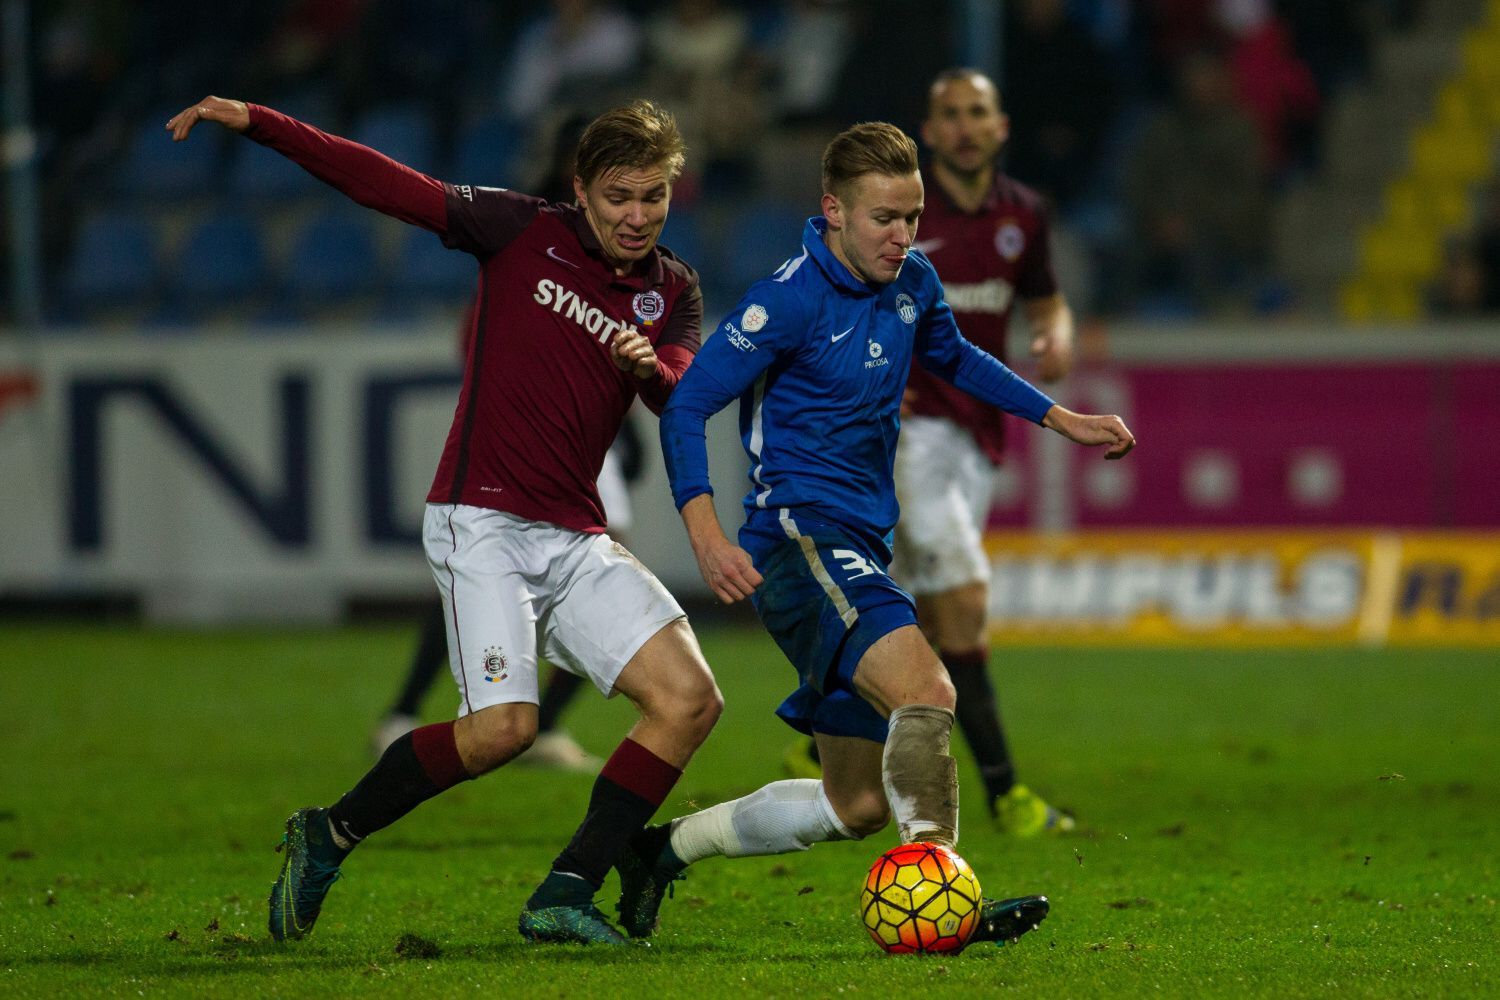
[[838, 274]]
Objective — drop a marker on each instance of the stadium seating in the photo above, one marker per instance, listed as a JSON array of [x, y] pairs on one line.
[[426, 271], [402, 132], [222, 259], [488, 153], [261, 175], [761, 236], [156, 168], [332, 260], [114, 262]]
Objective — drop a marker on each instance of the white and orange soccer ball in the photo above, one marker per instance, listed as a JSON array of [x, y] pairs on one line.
[[920, 898]]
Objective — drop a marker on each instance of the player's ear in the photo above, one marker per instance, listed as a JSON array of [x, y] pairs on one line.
[[579, 191], [833, 211], [926, 133]]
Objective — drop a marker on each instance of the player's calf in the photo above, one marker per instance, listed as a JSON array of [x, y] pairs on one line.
[[494, 736]]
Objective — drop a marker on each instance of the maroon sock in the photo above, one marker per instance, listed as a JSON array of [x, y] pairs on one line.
[[412, 770], [628, 791]]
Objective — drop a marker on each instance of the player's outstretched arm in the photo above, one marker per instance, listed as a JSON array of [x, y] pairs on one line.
[[1051, 323], [233, 115], [1088, 429], [726, 568], [363, 174]]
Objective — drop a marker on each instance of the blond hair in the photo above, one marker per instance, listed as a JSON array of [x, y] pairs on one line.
[[867, 148], [640, 134]]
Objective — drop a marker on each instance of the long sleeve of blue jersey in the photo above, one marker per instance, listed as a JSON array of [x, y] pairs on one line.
[[943, 350], [727, 365]]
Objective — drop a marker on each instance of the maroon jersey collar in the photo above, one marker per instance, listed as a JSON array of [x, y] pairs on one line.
[[647, 271], [991, 198]]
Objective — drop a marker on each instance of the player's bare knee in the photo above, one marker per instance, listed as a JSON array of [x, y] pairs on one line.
[[694, 708], [495, 738], [941, 692], [864, 814]]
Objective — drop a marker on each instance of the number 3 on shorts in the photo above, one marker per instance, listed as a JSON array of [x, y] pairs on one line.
[[855, 565]]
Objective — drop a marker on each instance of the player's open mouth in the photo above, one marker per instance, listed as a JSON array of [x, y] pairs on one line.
[[633, 242]]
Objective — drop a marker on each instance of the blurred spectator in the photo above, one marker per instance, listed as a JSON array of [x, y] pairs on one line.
[[1195, 193], [1272, 83], [554, 180], [1172, 30], [809, 46], [1060, 93], [311, 37], [1333, 37], [80, 54], [575, 54], [700, 65], [1460, 289], [424, 51], [1487, 246]]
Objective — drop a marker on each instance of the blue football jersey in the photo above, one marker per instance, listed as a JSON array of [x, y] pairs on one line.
[[819, 360]]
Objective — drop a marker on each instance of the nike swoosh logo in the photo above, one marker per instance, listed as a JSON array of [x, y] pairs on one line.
[[927, 246], [840, 336], [552, 252]]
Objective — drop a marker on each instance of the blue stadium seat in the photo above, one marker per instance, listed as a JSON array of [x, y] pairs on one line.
[[761, 236], [114, 263], [684, 237], [332, 260], [489, 154], [222, 261], [427, 270], [403, 132], [262, 175], [156, 168]]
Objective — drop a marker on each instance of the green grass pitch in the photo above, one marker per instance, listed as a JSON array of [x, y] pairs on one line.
[[1254, 823]]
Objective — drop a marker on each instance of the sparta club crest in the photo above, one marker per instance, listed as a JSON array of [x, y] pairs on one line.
[[649, 307], [1010, 240], [494, 665]]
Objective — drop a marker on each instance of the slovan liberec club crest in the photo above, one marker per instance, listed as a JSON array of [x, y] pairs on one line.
[[906, 309]]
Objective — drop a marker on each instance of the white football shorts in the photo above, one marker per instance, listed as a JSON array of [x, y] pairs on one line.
[[512, 588], [944, 484]]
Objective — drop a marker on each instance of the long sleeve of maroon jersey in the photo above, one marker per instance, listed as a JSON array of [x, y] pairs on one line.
[[368, 177], [675, 349]]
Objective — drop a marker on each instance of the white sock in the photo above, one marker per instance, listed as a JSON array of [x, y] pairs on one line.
[[919, 774], [781, 817]]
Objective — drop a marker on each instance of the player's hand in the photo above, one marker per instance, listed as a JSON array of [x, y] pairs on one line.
[[1053, 354], [728, 571], [1092, 430], [233, 115], [633, 353]]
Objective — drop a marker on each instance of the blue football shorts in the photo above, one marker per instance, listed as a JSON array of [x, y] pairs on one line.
[[825, 599]]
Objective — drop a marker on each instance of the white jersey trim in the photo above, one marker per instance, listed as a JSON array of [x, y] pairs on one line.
[[758, 441], [847, 614], [790, 267]]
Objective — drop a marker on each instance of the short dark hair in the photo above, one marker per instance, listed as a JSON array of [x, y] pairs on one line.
[[640, 134], [953, 74], [867, 148]]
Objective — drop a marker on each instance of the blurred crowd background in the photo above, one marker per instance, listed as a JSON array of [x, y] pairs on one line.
[[1204, 158]]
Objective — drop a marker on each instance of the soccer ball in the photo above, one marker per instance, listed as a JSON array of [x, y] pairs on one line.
[[920, 898]]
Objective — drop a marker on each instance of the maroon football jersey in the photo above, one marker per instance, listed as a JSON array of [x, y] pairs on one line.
[[542, 398], [986, 259]]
